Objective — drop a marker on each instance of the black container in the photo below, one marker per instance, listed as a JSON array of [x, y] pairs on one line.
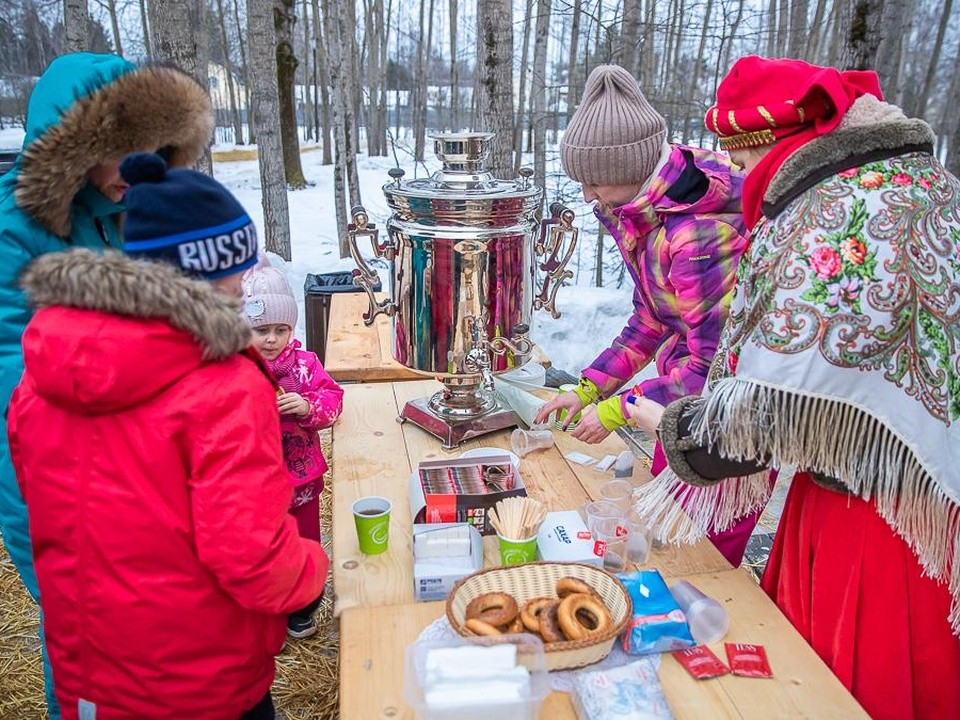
[[317, 291], [7, 157]]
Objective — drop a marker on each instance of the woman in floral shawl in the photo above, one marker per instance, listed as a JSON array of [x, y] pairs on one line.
[[840, 358]]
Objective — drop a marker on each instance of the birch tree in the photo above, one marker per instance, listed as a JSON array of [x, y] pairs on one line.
[[454, 69], [321, 80], [114, 26], [144, 27], [924, 98], [539, 90], [262, 46], [76, 18], [179, 36], [228, 67], [495, 80]]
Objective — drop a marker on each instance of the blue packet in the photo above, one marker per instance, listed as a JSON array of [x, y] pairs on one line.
[[658, 624]]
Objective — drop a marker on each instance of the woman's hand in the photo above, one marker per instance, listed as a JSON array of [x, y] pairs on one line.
[[564, 401], [589, 428], [646, 414], [291, 403]]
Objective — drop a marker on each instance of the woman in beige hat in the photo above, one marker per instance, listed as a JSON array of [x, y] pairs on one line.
[[674, 212]]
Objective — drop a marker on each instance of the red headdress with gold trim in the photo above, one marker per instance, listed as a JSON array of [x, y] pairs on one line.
[[763, 101]]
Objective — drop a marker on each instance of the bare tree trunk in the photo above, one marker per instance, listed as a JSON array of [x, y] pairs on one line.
[[924, 98], [725, 64], [251, 133], [573, 85], [228, 67], [862, 34], [627, 53], [179, 30], [454, 69], [698, 61], [539, 91], [522, 101], [420, 85], [115, 27], [495, 75], [798, 29], [834, 46], [771, 29], [322, 78], [284, 19], [783, 27], [817, 32], [305, 100], [147, 49], [649, 75], [598, 270], [76, 19], [950, 121], [262, 37]]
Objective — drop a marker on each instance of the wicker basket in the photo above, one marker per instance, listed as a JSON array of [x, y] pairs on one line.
[[525, 582]]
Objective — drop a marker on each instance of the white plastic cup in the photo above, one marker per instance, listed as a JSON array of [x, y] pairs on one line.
[[525, 442], [618, 492], [615, 535], [638, 542], [597, 510], [707, 619]]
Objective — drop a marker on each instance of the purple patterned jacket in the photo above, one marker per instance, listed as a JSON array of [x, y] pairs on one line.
[[681, 239]]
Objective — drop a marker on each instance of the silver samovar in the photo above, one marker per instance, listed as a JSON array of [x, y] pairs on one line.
[[462, 248]]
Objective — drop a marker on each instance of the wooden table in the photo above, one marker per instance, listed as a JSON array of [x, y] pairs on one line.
[[374, 455], [373, 642], [356, 352]]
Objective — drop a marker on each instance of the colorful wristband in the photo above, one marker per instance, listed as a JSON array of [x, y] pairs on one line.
[[610, 414], [587, 391]]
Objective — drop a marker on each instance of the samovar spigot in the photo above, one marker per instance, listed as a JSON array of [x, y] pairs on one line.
[[520, 344]]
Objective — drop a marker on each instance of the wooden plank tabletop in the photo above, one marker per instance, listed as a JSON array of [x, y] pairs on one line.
[[356, 352], [374, 455], [373, 642]]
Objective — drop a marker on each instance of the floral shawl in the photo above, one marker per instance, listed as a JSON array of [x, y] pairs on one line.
[[841, 352]]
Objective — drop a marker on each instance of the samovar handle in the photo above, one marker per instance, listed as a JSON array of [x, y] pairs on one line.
[[364, 276], [550, 244]]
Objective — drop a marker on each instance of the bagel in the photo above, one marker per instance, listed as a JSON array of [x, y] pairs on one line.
[[570, 585], [479, 627], [494, 608], [581, 615], [549, 625], [531, 610]]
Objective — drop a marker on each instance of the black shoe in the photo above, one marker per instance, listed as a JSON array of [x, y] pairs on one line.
[[301, 627]]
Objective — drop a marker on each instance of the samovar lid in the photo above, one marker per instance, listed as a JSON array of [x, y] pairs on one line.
[[463, 176]]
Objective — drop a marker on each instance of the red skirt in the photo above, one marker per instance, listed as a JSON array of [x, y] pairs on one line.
[[857, 594]]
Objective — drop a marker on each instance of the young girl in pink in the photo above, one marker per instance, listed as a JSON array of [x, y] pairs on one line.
[[309, 400]]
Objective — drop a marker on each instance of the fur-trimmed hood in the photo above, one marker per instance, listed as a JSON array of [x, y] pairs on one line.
[[151, 327], [871, 130], [117, 284], [88, 109]]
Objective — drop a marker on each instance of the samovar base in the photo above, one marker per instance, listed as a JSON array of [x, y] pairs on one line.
[[453, 433]]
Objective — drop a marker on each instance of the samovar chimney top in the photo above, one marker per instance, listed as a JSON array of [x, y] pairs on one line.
[[462, 152]]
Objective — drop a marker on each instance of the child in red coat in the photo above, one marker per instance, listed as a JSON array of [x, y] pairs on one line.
[[310, 400]]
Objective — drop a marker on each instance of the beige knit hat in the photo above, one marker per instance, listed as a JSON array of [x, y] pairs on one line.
[[268, 299], [615, 137]]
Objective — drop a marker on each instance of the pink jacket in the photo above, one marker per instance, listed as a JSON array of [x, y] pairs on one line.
[[300, 371]]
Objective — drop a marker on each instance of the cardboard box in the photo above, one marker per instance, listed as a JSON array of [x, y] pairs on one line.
[[434, 576], [464, 499], [564, 537]]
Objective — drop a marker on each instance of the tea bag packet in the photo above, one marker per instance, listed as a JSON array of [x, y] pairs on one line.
[[658, 623], [628, 692]]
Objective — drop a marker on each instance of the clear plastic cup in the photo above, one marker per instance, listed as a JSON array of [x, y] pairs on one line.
[[615, 535], [639, 542], [618, 492], [525, 442], [597, 510], [707, 619]]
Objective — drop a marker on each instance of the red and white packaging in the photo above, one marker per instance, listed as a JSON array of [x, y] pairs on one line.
[[701, 663], [748, 660]]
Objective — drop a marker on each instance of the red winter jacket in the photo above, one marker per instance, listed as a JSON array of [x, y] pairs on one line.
[[148, 452]]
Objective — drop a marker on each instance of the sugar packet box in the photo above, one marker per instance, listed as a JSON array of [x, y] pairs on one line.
[[439, 492], [442, 554], [564, 537]]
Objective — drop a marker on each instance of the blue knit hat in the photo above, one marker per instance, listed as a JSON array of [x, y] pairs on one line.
[[185, 218]]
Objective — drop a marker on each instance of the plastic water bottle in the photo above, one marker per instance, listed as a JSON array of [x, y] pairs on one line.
[[707, 619]]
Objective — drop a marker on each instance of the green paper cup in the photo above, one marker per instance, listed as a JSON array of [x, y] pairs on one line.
[[517, 552], [371, 515]]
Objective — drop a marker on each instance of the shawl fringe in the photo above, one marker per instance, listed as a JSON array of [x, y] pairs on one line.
[[746, 419]]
